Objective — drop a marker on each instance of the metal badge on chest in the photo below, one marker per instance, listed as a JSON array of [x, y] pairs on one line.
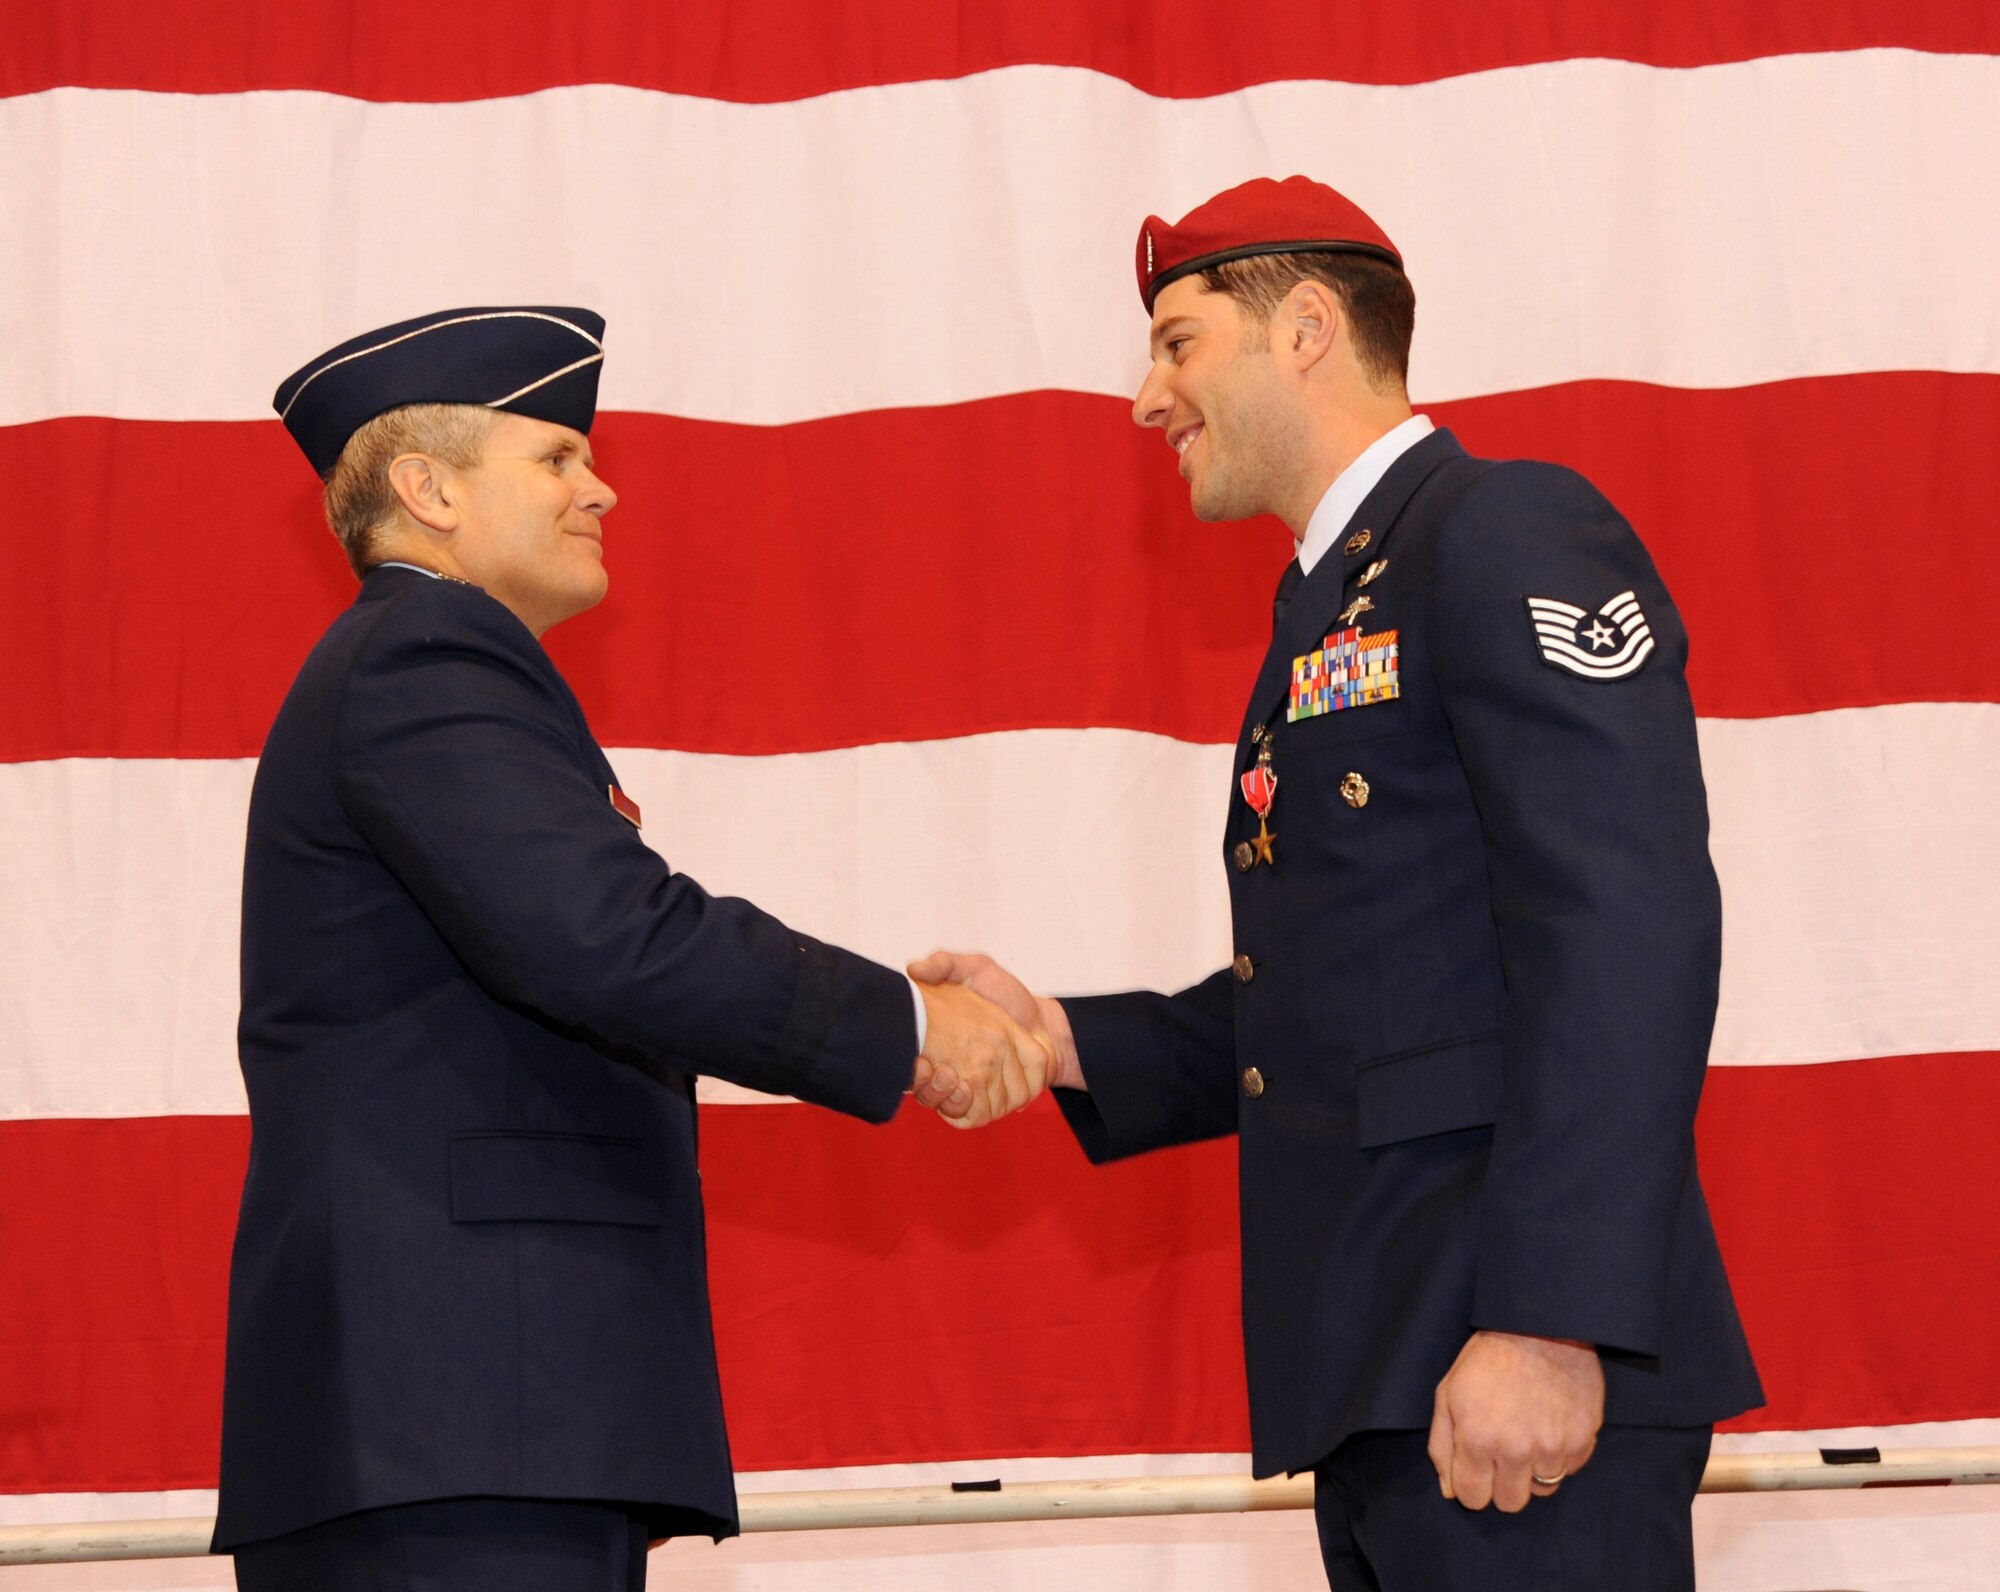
[[1349, 669]]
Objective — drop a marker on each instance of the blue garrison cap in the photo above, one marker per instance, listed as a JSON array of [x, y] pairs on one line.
[[536, 360]]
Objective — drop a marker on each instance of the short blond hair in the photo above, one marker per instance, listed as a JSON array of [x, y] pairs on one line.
[[360, 502]]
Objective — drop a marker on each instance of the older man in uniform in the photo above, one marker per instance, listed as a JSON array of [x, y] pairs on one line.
[[1477, 934], [469, 1342]]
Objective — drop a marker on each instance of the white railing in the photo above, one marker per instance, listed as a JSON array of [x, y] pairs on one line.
[[965, 1504]]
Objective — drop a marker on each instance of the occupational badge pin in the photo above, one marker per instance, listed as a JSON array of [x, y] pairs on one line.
[[1373, 572], [1613, 644], [1356, 609], [1357, 542]]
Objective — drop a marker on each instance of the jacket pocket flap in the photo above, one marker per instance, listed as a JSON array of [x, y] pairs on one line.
[[554, 1177], [1335, 730], [1437, 1089]]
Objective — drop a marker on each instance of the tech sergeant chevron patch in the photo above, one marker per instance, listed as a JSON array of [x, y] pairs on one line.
[[1615, 642]]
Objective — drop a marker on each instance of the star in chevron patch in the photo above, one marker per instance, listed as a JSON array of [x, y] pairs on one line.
[[1606, 645]]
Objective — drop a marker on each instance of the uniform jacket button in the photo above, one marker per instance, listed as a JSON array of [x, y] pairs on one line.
[[1246, 969], [1253, 1082], [1245, 856]]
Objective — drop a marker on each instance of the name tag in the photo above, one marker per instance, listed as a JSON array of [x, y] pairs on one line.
[[1349, 670]]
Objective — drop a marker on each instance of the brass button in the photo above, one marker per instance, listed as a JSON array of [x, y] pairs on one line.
[[1357, 541], [1354, 791], [1246, 969], [1245, 856], [1253, 1082]]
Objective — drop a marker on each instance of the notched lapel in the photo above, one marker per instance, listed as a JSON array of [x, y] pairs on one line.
[[1317, 603]]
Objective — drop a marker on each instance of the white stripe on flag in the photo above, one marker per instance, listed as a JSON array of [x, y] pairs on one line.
[[171, 256], [1844, 841]]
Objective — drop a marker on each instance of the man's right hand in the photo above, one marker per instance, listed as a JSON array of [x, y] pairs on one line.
[[978, 1063]]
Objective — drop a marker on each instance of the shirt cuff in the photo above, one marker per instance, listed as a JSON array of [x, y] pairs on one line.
[[923, 1016]]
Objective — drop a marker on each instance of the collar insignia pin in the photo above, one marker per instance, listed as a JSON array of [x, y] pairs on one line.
[[1357, 542]]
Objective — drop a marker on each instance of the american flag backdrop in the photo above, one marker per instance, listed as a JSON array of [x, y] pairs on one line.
[[913, 640]]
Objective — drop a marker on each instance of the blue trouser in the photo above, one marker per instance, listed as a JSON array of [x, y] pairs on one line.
[[455, 1545], [1621, 1524]]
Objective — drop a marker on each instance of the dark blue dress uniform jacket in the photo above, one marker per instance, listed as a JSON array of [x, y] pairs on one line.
[[470, 1255], [1479, 1005]]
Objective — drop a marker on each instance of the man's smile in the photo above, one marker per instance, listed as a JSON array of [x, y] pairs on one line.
[[1182, 439]]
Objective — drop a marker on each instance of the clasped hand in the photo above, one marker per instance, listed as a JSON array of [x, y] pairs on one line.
[[990, 1045]]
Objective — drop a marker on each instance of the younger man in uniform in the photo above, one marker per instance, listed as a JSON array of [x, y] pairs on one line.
[[1478, 937]]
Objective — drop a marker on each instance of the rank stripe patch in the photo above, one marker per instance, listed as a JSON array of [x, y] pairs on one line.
[[1558, 630]]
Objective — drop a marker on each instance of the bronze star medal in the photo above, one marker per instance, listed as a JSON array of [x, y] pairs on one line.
[[1260, 784]]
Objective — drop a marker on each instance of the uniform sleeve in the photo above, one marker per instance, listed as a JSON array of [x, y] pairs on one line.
[[1587, 779], [459, 762], [1161, 1069]]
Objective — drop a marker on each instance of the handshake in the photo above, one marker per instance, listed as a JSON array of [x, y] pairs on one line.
[[990, 1046]]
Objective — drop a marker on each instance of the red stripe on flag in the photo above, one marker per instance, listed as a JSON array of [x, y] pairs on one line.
[[766, 50], [114, 1275], [1857, 1209], [968, 1297], [1809, 531], [962, 1296], [912, 574], [977, 1295]]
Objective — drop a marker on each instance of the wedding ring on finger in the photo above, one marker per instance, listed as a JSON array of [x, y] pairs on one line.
[[1547, 1481]]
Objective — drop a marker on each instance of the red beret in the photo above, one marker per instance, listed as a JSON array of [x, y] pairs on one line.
[[1296, 216]]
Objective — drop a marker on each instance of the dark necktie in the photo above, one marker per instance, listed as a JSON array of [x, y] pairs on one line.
[[1287, 584]]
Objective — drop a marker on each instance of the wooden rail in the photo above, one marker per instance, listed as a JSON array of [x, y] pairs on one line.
[[944, 1505]]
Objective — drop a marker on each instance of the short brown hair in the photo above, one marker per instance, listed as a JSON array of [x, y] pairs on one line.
[[359, 499], [1380, 304]]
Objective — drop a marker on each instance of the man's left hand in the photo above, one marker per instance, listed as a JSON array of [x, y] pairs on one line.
[[1512, 1409]]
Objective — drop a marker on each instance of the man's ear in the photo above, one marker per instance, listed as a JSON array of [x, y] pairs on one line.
[[422, 485], [1309, 322]]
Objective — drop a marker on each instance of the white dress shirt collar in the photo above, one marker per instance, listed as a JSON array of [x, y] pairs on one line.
[[1355, 483]]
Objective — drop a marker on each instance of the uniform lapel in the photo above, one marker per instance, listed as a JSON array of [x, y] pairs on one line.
[[1319, 599]]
